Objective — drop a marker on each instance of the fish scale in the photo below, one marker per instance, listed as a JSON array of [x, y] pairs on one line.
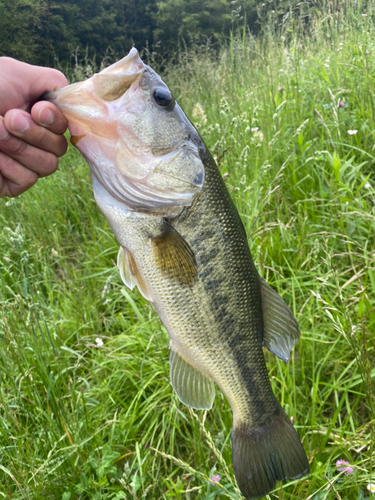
[[182, 243]]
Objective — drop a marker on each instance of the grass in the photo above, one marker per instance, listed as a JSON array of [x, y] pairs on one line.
[[81, 420]]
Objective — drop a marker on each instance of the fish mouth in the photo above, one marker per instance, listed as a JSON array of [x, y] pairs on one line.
[[84, 104], [137, 149]]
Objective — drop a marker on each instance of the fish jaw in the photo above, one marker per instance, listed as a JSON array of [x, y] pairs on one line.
[[91, 118], [141, 151], [85, 102]]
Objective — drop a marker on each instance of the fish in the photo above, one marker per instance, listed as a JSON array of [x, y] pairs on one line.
[[182, 243]]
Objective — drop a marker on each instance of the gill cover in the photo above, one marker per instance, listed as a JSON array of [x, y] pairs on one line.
[[134, 136]]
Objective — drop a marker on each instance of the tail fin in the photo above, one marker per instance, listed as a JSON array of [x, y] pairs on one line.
[[264, 455]]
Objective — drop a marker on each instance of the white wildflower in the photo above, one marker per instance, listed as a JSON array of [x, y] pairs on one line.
[[99, 342], [352, 132], [257, 138], [367, 185], [107, 286], [245, 153], [255, 129], [199, 115], [371, 487], [224, 106]]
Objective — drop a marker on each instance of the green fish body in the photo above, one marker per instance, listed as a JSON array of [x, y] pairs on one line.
[[182, 243]]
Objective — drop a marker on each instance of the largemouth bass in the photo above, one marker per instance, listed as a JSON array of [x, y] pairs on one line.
[[183, 245]]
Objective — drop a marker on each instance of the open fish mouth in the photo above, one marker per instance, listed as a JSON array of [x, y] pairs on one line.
[[84, 103], [110, 84], [135, 138]]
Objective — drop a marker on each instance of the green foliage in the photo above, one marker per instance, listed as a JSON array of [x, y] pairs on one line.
[[53, 32], [81, 420], [50, 32], [19, 21], [61, 32], [184, 20]]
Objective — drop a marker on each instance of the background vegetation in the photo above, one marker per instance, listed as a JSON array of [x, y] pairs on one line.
[[58, 32], [86, 408]]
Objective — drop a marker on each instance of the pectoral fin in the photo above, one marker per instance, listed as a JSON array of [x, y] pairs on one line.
[[129, 273], [281, 330], [174, 256], [192, 387]]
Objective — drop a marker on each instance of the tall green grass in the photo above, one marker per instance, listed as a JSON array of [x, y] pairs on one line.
[[86, 408]]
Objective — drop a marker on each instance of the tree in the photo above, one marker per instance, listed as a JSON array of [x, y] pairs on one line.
[[18, 22], [185, 19]]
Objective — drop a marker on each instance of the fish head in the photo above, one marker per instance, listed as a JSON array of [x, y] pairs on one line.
[[136, 139]]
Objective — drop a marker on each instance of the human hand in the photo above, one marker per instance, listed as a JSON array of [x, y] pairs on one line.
[[31, 135]]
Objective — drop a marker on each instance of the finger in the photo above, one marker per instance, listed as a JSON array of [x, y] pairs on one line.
[[21, 125], [27, 83], [48, 116], [14, 177], [40, 161], [46, 80]]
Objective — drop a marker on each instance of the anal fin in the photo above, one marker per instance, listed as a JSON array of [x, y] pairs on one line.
[[192, 387], [281, 330]]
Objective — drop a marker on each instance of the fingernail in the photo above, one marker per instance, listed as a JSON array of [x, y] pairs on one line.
[[19, 122], [46, 116], [3, 131]]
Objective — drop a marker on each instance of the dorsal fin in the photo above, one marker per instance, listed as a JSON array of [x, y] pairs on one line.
[[192, 387], [281, 330], [129, 273]]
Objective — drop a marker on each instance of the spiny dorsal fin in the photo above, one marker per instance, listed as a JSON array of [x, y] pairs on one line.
[[174, 256], [281, 330], [192, 387], [129, 273]]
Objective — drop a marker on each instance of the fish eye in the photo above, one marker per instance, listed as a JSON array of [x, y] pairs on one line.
[[164, 98]]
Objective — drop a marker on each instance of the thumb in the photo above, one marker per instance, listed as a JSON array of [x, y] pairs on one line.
[[45, 80], [21, 84]]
